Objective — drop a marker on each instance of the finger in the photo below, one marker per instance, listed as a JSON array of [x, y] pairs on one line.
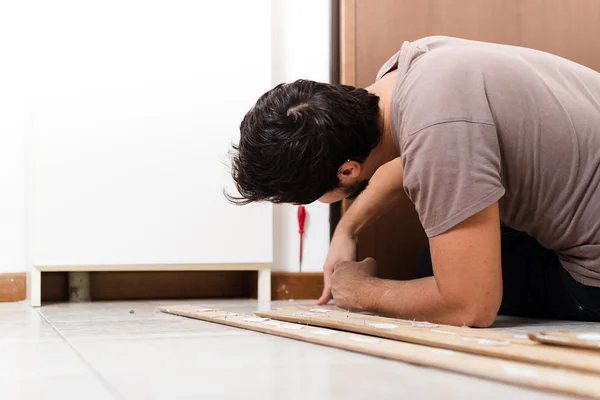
[[326, 296], [324, 299]]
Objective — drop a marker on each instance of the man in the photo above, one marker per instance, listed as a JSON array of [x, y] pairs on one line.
[[498, 147]]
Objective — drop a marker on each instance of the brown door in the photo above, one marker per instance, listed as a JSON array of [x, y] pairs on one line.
[[372, 30]]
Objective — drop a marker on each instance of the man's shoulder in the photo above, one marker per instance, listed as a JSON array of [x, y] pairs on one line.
[[442, 88]]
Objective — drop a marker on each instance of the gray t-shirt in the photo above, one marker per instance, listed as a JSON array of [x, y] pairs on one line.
[[476, 123]]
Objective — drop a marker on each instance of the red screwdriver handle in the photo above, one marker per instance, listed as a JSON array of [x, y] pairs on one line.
[[301, 219]]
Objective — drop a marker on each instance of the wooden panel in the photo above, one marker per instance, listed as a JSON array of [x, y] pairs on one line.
[[378, 28], [165, 285], [516, 373], [570, 29], [382, 29], [55, 286], [13, 286], [476, 341]]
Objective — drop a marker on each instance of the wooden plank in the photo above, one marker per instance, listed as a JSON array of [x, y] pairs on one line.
[[516, 373], [586, 340], [476, 341]]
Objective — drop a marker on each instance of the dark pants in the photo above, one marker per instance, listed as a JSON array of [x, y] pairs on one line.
[[534, 282]]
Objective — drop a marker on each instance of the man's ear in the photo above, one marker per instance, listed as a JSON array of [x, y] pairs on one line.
[[349, 172]]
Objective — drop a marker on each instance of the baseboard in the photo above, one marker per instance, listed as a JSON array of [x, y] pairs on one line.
[[13, 286], [185, 285]]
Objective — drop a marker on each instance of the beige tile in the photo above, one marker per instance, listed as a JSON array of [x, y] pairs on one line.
[[174, 327], [141, 310], [114, 320], [24, 324], [59, 387], [151, 355], [265, 367], [162, 356], [101, 311], [37, 363], [46, 370]]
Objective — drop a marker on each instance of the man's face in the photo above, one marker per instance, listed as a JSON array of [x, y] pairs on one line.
[[349, 191]]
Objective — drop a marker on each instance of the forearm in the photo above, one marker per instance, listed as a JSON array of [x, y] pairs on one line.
[[418, 299], [384, 190]]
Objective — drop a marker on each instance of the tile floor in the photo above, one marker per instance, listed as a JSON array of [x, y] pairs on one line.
[[127, 350]]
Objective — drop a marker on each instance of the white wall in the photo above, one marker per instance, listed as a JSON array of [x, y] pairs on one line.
[[12, 232], [300, 42], [301, 49]]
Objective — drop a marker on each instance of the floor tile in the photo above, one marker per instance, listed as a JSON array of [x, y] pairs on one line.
[[37, 363], [267, 367], [142, 310], [154, 356], [46, 369], [59, 387], [25, 325], [128, 350]]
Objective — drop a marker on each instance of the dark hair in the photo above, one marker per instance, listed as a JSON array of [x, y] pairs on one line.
[[296, 137]]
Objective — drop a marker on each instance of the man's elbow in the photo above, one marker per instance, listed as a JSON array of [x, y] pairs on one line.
[[482, 319], [480, 316]]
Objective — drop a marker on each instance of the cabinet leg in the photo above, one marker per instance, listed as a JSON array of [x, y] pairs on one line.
[[264, 285], [35, 287]]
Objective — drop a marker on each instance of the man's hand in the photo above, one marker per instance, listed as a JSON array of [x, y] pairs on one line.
[[342, 248], [350, 283], [384, 191]]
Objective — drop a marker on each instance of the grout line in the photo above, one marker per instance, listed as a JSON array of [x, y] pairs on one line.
[[94, 371]]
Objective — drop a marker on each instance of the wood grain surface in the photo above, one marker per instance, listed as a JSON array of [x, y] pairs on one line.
[[569, 339], [477, 341]]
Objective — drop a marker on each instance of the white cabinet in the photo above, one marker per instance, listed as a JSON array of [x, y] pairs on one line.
[[132, 107]]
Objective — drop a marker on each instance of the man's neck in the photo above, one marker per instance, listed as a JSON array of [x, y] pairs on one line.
[[386, 149]]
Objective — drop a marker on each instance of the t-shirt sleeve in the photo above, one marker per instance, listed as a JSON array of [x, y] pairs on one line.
[[452, 170]]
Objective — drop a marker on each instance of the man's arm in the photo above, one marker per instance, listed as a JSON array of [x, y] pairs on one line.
[[384, 190], [466, 289]]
